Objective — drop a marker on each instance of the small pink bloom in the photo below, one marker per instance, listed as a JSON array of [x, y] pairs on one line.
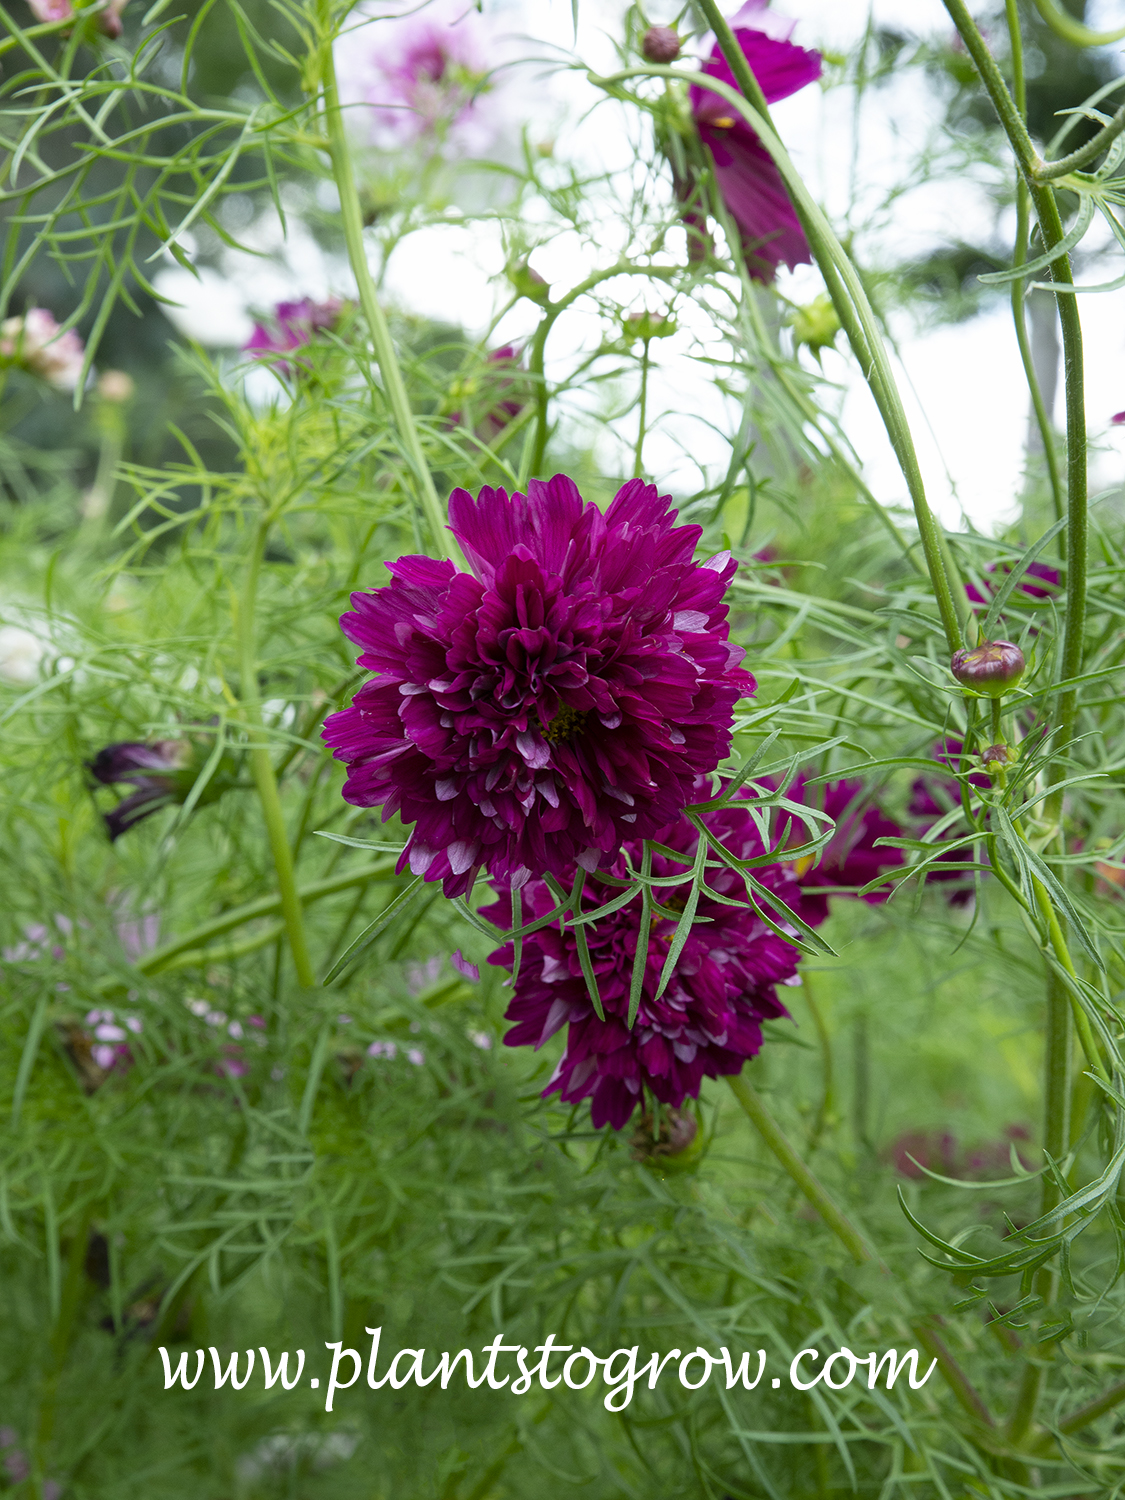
[[416, 1056], [35, 343]]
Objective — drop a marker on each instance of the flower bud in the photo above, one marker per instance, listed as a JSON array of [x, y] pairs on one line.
[[648, 325], [661, 44], [992, 668], [676, 1149], [528, 283]]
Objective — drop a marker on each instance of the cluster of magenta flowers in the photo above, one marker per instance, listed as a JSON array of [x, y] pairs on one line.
[[544, 715]]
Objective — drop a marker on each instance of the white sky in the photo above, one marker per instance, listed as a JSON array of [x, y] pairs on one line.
[[962, 385]]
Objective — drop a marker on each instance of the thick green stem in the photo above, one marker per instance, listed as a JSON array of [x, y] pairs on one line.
[[261, 762], [1050, 227], [775, 1138], [393, 383], [1019, 290]]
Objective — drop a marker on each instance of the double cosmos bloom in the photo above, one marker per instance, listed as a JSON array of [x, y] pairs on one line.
[[556, 701]]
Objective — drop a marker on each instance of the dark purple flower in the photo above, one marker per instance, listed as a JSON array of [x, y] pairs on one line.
[[707, 1022], [749, 182], [156, 770], [850, 858], [1049, 576], [163, 773], [561, 698], [1118, 418], [294, 325], [934, 1150]]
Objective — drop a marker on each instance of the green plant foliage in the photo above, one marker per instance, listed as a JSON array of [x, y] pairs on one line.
[[250, 1098]]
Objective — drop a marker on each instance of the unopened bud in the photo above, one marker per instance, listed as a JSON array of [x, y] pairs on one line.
[[661, 44], [528, 283], [992, 668], [676, 1148], [648, 325]]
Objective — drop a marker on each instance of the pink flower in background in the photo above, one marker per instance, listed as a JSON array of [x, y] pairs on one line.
[[108, 20], [1049, 579], [706, 1023], [35, 344], [293, 325], [426, 78], [750, 184], [558, 700], [497, 405]]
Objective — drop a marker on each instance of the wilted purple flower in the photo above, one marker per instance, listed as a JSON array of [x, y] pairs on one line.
[[156, 771], [34, 343], [850, 858], [561, 698], [163, 773], [707, 1022], [294, 325], [749, 182], [1043, 571]]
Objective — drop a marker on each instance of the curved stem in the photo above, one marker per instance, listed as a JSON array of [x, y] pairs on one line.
[[1101, 142], [775, 1138], [393, 384], [261, 762]]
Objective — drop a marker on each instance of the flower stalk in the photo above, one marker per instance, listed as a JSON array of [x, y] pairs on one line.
[[261, 762], [394, 386]]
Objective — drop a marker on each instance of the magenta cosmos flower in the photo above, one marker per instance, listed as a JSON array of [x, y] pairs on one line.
[[559, 699], [294, 324], [1048, 581], [749, 182], [709, 1019], [850, 859]]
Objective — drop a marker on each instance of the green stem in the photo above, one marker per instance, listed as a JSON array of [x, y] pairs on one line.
[[638, 464], [1019, 290], [261, 762], [393, 383], [1050, 227], [1062, 952], [825, 1042], [1105, 138], [775, 1138]]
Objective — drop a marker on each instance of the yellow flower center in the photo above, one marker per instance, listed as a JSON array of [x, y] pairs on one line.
[[566, 724]]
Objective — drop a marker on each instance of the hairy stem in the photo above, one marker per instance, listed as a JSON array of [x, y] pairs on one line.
[[393, 383]]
